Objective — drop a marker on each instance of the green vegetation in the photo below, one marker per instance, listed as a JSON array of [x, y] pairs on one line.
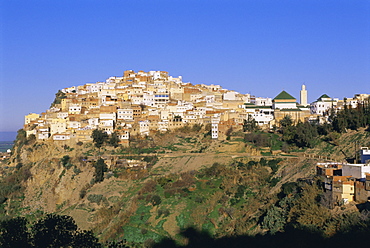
[[252, 197], [58, 98], [349, 118], [66, 162], [50, 231], [100, 168], [250, 124], [114, 140], [12, 187], [99, 137]]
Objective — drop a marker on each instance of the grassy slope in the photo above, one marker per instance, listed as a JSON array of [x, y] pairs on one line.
[[226, 200]]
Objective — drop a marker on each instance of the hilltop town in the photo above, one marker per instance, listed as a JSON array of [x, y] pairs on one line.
[[140, 103], [188, 158]]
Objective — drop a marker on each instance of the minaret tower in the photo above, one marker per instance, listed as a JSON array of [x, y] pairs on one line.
[[303, 95]]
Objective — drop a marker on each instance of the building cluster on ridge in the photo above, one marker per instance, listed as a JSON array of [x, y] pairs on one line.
[[140, 103]]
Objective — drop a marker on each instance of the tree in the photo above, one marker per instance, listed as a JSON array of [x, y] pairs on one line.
[[65, 161], [274, 220], [85, 239], [114, 139], [156, 200], [250, 124], [100, 168], [54, 231], [305, 135], [286, 121], [307, 212], [51, 231], [61, 231], [14, 233], [99, 137], [228, 133]]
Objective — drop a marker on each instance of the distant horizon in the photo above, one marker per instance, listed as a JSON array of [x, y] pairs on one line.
[[8, 136]]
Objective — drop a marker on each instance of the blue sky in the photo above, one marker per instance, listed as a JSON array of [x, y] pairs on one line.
[[259, 47]]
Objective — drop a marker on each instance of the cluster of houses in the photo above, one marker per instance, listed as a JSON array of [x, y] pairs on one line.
[[347, 182], [146, 102]]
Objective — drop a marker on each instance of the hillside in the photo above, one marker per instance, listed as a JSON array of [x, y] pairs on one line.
[[223, 188], [163, 193]]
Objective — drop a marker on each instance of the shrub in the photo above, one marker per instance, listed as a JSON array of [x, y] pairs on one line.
[[163, 212], [196, 127], [274, 220], [163, 181], [289, 188], [19, 166], [258, 139], [76, 170], [274, 181], [156, 200], [66, 162], [148, 187], [186, 181], [169, 192], [274, 164], [95, 198], [3, 199], [82, 193], [199, 199], [214, 170]]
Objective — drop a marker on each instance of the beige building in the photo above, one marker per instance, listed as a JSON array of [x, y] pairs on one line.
[[286, 105], [30, 117]]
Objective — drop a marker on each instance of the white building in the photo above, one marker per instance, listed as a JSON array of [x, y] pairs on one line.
[[74, 109], [62, 115], [214, 123], [261, 114], [261, 101], [94, 88], [107, 125], [72, 89], [108, 116], [230, 96], [93, 122], [161, 99], [144, 127], [163, 126], [323, 105]]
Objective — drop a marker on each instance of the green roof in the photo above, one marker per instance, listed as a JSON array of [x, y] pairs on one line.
[[323, 96], [283, 95]]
